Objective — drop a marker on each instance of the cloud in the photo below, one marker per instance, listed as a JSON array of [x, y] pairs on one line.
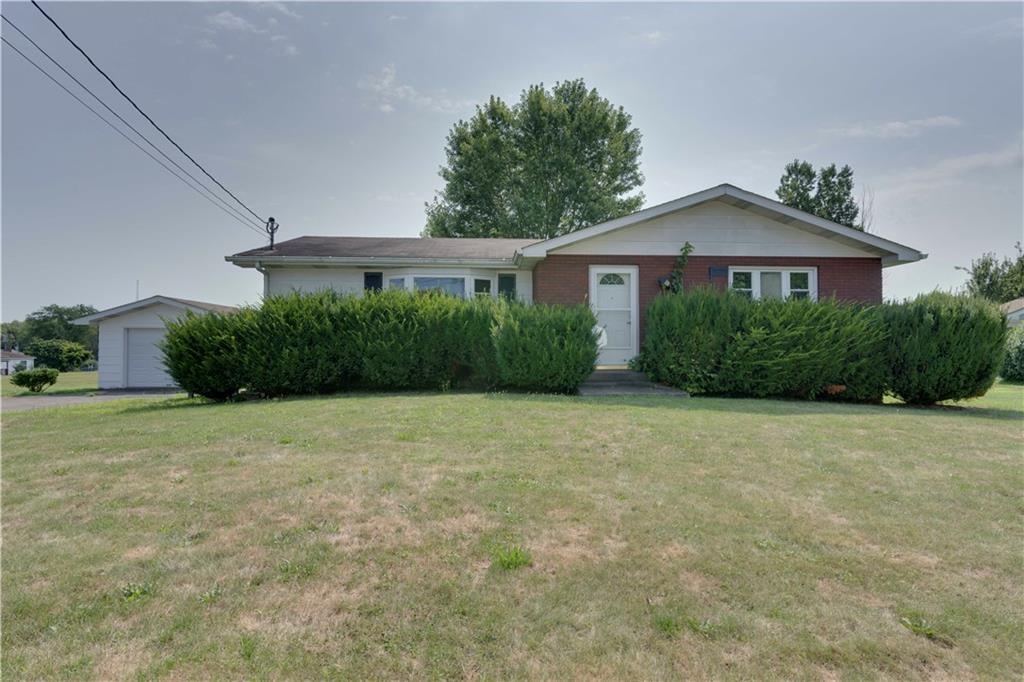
[[290, 51], [397, 17], [896, 129], [279, 7], [653, 37], [952, 171], [1003, 29], [387, 92], [229, 21]]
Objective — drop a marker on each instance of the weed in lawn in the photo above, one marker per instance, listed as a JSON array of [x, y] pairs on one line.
[[211, 595], [922, 627], [511, 557], [134, 591], [667, 625], [195, 536], [305, 567], [61, 471], [248, 648]]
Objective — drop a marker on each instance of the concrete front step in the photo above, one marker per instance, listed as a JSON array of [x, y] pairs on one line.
[[624, 382]]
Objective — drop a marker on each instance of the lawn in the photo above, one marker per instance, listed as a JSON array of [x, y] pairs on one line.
[[68, 383], [459, 535]]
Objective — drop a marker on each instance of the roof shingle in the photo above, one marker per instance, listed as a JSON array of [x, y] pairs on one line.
[[392, 247]]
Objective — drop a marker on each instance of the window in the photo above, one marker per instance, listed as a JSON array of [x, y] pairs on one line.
[[507, 285], [456, 286], [482, 287], [779, 283], [613, 279], [373, 281], [396, 283]]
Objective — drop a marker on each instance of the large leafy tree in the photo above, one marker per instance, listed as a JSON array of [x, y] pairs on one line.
[[556, 161], [52, 322], [997, 280], [827, 194]]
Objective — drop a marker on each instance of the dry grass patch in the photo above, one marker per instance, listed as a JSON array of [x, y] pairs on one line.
[[358, 537]]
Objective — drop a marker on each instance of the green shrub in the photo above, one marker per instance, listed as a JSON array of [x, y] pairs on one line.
[[806, 349], [203, 353], [1013, 363], [943, 347], [59, 354], [300, 344], [36, 379], [686, 336], [544, 348], [325, 342]]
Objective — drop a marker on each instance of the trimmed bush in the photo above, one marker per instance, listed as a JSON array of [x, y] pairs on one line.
[[203, 355], [707, 341], [806, 349], [687, 335], [1013, 363], [943, 347], [545, 348], [326, 342], [36, 379]]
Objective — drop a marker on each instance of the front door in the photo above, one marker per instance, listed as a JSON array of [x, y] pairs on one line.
[[613, 297]]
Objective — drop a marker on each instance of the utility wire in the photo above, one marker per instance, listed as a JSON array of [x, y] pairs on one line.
[[122, 134], [133, 128], [144, 114]]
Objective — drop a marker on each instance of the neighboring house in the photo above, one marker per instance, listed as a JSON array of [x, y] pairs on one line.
[[1014, 311], [742, 241], [129, 355], [11, 360]]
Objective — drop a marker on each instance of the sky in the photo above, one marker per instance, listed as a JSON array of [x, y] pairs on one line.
[[332, 118]]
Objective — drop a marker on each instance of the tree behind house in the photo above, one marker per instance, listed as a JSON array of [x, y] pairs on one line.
[[996, 280], [556, 161], [827, 194]]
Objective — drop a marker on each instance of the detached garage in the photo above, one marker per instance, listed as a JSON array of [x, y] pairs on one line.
[[129, 337]]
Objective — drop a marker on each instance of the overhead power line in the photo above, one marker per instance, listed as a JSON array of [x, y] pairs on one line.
[[122, 134], [96, 97], [144, 114]]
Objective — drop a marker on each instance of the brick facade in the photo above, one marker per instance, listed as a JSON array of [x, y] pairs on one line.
[[565, 279]]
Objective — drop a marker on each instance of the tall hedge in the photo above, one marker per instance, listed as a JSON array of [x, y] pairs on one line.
[[545, 348], [1013, 363], [326, 342], [204, 353], [943, 347]]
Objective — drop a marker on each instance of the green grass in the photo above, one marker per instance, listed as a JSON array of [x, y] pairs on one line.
[[68, 383], [362, 537]]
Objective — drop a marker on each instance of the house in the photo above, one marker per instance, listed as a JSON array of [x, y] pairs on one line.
[[129, 355], [741, 241], [1014, 311], [12, 360]]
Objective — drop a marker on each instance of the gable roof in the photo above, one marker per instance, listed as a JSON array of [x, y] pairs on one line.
[[891, 252], [181, 303], [1013, 306], [388, 249]]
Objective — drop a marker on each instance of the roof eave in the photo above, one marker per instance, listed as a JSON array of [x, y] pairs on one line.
[[370, 261], [135, 305]]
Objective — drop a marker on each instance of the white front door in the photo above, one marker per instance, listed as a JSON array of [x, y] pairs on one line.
[[613, 297]]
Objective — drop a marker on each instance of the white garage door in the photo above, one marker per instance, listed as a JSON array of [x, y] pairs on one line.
[[145, 360]]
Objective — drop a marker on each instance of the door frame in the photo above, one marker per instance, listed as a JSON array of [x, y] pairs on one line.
[[634, 298]]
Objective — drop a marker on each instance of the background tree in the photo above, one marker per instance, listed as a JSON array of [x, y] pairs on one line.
[[52, 322], [797, 186], [997, 280], [827, 194], [556, 161], [59, 354]]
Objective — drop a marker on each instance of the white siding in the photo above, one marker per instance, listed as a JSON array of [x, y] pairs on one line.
[[1015, 318], [286, 280], [114, 338], [350, 280], [714, 229]]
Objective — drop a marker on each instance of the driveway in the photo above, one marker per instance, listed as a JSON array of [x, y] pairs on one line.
[[35, 402]]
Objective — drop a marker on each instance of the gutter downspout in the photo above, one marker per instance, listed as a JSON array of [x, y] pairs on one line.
[[266, 279]]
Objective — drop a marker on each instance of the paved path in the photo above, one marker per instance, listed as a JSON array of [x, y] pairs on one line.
[[35, 402], [625, 382]]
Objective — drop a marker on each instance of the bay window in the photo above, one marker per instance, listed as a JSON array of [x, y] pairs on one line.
[[759, 282]]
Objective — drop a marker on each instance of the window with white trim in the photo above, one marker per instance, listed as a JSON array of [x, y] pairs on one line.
[[770, 282]]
